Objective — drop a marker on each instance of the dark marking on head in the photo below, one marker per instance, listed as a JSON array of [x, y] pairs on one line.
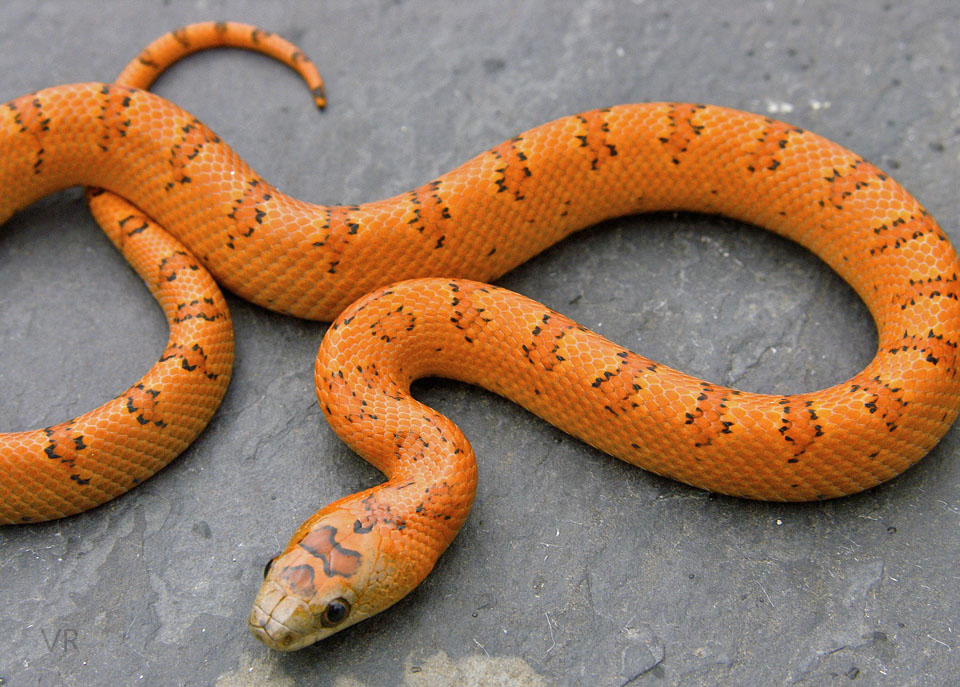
[[299, 579], [337, 560]]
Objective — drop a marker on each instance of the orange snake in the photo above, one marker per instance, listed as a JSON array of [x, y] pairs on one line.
[[363, 553]]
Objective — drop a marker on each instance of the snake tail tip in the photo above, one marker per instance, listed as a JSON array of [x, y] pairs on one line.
[[320, 97]]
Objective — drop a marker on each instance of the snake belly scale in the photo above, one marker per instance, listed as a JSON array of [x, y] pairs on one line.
[[361, 554]]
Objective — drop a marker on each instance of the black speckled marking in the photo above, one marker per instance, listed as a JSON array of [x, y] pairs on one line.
[[193, 137], [798, 426], [66, 445], [882, 400], [683, 129], [340, 226], [142, 404], [197, 309], [180, 35], [113, 115], [544, 345], [771, 144], [192, 358], [844, 183], [622, 383], [248, 211], [512, 169], [595, 135], [706, 418], [176, 262], [29, 116], [431, 215]]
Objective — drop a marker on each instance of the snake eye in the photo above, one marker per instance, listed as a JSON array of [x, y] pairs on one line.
[[266, 568], [335, 612]]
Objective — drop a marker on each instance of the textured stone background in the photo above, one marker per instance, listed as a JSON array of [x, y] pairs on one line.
[[573, 568]]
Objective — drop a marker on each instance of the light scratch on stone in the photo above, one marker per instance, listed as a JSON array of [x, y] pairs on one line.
[[552, 638], [772, 605], [482, 648]]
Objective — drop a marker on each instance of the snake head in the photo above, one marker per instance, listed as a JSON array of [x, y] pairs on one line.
[[349, 561], [317, 585]]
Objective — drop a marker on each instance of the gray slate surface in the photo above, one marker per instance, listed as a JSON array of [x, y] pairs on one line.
[[573, 569]]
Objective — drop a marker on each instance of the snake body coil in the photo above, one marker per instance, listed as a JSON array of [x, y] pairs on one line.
[[364, 552]]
